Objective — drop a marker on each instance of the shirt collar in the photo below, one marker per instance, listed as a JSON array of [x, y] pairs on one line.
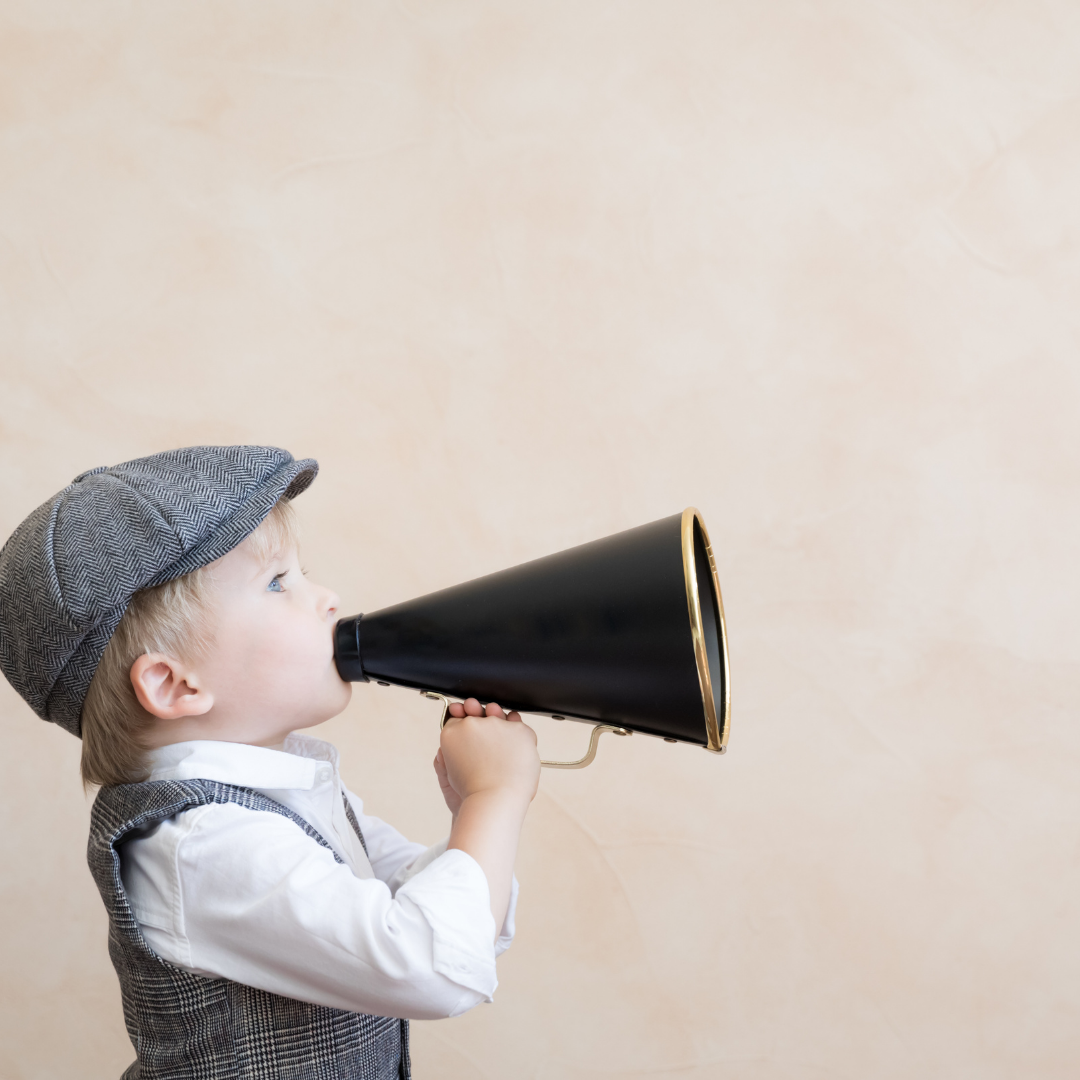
[[244, 765]]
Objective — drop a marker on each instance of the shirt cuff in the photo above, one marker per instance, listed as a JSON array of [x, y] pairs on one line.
[[426, 858], [453, 896]]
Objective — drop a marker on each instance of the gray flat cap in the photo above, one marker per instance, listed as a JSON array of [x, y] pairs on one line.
[[70, 569]]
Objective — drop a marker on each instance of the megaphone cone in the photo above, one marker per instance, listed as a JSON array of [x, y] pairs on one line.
[[626, 631]]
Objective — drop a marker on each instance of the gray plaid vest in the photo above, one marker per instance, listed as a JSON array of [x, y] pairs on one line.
[[189, 1027]]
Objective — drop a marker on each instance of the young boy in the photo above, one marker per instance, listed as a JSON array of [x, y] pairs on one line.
[[260, 923]]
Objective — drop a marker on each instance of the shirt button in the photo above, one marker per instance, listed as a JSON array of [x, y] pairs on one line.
[[323, 774]]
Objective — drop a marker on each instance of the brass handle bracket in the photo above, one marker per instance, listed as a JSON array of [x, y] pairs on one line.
[[594, 738], [581, 762], [445, 705]]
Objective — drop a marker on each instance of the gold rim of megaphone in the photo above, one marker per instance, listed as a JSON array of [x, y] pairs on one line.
[[716, 727]]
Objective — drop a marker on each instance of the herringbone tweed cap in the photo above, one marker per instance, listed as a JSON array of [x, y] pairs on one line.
[[69, 570]]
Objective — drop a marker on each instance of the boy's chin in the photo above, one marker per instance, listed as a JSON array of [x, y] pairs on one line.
[[335, 704], [344, 693]]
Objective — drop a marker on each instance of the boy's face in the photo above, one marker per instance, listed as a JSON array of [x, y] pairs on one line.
[[270, 663]]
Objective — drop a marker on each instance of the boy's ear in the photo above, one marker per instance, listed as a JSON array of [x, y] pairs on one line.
[[168, 688]]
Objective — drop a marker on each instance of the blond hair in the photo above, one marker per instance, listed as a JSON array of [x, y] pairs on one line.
[[171, 619]]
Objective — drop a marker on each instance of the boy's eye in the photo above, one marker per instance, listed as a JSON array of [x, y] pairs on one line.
[[275, 584]]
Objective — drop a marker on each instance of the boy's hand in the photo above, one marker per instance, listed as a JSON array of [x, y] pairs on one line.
[[450, 796], [483, 750]]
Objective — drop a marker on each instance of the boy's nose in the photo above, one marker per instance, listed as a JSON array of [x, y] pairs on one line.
[[331, 603]]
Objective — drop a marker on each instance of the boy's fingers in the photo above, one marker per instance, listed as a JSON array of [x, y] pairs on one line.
[[472, 707]]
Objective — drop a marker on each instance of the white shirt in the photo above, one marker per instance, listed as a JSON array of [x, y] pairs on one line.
[[247, 895]]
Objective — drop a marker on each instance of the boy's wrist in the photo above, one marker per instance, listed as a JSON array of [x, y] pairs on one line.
[[505, 801]]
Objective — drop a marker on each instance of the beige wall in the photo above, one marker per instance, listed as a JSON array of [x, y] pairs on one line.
[[523, 274]]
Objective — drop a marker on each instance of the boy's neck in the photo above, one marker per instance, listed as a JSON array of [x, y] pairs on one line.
[[164, 733]]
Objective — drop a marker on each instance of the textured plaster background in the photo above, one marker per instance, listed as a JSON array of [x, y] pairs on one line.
[[523, 274]]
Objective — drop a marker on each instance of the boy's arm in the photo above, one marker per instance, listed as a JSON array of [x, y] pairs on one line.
[[245, 895], [490, 763]]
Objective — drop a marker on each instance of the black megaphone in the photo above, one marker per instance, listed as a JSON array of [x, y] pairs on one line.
[[626, 633]]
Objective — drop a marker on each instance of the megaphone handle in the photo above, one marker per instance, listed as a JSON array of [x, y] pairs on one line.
[[594, 738], [581, 762]]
